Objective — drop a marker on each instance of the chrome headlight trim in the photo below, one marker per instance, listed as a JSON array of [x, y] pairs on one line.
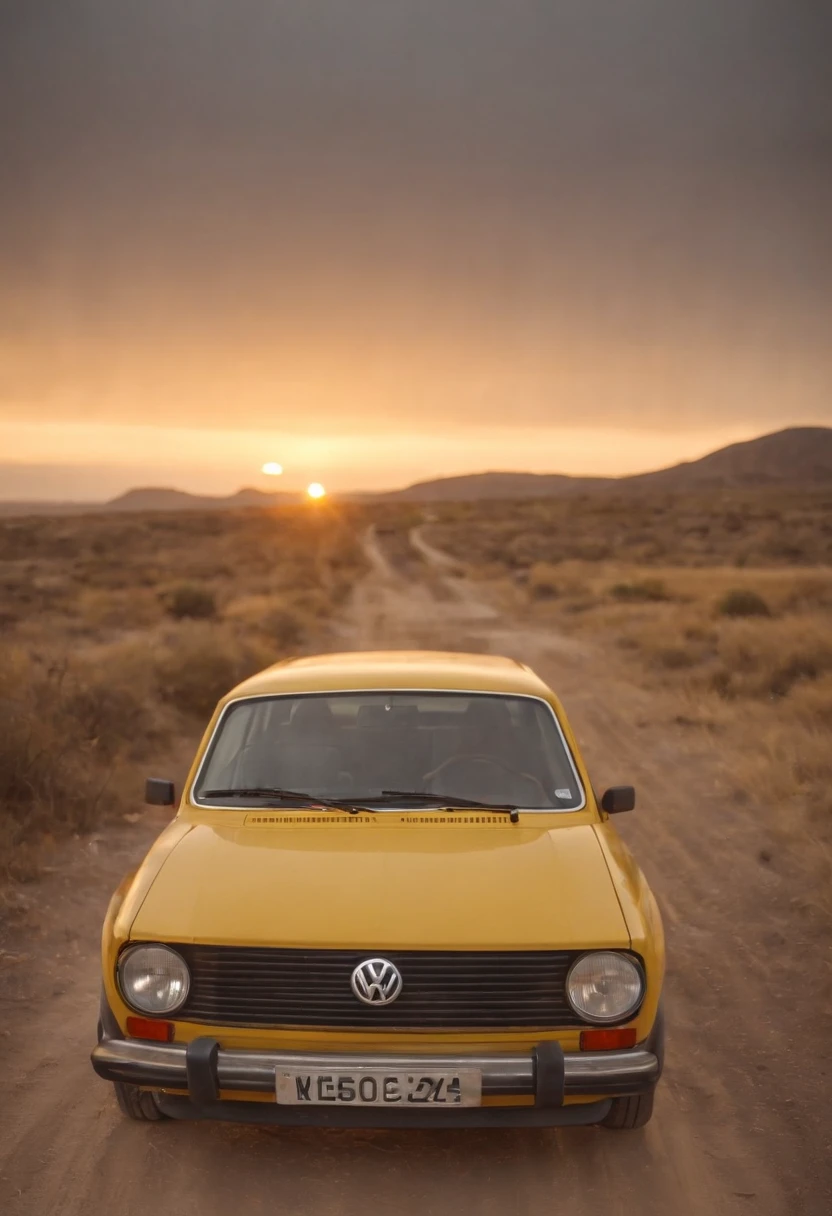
[[130, 996], [627, 1010]]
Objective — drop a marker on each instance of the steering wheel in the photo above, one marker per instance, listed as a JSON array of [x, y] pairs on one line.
[[479, 758]]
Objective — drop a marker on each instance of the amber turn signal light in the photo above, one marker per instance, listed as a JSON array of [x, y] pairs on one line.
[[608, 1040], [150, 1028]]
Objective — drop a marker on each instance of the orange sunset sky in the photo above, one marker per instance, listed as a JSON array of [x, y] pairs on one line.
[[384, 241]]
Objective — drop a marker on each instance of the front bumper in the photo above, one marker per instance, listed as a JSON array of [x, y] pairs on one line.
[[202, 1069]]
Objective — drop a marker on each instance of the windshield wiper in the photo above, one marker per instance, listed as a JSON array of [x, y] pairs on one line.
[[268, 791], [446, 801]]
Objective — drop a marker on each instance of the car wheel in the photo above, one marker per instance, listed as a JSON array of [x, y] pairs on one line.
[[627, 1113], [137, 1103]]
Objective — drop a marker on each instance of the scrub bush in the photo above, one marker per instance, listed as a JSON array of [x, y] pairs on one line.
[[285, 627], [199, 664], [542, 582], [191, 600], [742, 601], [645, 591]]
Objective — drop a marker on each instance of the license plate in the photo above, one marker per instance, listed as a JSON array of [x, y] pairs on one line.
[[377, 1087]]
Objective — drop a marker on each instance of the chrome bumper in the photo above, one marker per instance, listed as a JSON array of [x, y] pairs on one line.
[[202, 1069]]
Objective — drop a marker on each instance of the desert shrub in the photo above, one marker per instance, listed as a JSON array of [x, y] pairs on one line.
[[542, 582], [721, 682], [520, 552], [107, 716], [100, 610], [675, 658], [199, 666], [648, 590], [742, 601], [698, 633], [812, 702], [768, 658], [806, 663], [54, 770], [665, 640], [284, 626], [191, 600]]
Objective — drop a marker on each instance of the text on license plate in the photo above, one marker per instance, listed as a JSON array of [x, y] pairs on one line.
[[374, 1087]]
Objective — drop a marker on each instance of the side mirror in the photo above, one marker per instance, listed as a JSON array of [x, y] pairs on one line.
[[619, 798], [158, 792]]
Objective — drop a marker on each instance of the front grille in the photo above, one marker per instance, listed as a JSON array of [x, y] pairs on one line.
[[466, 990]]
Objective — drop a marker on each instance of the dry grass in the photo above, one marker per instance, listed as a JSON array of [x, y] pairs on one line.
[[119, 634], [769, 528], [724, 601], [66, 730]]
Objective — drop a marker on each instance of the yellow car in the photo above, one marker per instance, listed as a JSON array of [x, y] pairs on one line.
[[389, 898]]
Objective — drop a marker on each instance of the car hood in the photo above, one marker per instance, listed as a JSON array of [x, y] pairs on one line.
[[366, 885]]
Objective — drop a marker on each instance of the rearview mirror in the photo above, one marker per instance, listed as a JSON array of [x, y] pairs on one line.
[[619, 798], [159, 792]]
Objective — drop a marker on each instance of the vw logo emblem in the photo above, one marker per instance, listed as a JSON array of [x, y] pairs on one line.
[[376, 981]]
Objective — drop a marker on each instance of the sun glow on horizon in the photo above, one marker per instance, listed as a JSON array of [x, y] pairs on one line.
[[315, 490], [64, 461]]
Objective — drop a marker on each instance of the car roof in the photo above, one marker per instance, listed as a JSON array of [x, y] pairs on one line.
[[400, 669]]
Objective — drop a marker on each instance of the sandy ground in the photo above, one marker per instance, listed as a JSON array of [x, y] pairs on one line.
[[742, 1122]]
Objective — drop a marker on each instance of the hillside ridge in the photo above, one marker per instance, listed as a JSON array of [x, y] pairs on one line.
[[793, 456]]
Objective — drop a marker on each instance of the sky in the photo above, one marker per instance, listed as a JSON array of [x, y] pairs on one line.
[[384, 240]]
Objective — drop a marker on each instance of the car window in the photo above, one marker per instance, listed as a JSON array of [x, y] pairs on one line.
[[352, 745], [230, 742]]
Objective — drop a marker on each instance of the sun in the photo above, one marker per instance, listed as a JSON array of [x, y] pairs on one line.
[[272, 469], [315, 490]]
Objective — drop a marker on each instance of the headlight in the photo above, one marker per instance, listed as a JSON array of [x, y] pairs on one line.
[[153, 979], [605, 986]]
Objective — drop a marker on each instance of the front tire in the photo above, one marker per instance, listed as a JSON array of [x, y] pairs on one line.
[[628, 1113], [137, 1103]]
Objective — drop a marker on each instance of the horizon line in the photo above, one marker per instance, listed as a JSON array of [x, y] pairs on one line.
[[336, 494]]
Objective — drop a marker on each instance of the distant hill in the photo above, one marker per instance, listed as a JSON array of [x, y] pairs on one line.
[[799, 456], [153, 498], [796, 456], [498, 485]]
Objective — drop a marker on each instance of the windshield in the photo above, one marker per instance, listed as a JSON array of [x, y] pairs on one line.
[[355, 745]]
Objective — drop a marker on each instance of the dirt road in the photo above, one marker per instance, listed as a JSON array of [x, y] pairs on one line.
[[742, 1121]]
